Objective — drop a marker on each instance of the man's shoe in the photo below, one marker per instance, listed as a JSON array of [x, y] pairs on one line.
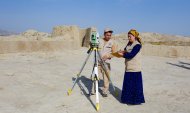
[[90, 94], [105, 95]]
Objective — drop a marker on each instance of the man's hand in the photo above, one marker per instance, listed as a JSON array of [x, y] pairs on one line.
[[105, 57]]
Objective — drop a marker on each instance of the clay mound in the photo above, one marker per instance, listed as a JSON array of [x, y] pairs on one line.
[[73, 35], [34, 34], [62, 38], [155, 44], [157, 39], [70, 35], [29, 35]]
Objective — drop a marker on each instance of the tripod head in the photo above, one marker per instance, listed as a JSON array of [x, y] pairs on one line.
[[94, 40]]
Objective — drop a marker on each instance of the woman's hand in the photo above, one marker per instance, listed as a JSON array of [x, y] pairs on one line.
[[121, 53]]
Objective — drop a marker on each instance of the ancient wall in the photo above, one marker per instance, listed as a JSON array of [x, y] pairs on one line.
[[31, 46], [72, 37], [166, 51]]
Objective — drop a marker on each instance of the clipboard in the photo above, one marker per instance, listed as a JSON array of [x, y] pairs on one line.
[[116, 55]]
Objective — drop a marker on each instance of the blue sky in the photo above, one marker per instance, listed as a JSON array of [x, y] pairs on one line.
[[160, 16]]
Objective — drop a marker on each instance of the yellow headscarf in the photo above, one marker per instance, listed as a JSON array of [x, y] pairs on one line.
[[135, 34]]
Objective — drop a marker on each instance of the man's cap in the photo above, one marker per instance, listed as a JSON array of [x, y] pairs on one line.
[[108, 30]]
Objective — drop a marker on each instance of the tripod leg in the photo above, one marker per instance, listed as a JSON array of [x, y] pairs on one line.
[[70, 90], [96, 81], [92, 88], [97, 96], [92, 71], [105, 68]]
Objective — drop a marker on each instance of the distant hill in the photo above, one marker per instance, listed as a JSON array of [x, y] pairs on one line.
[[6, 33]]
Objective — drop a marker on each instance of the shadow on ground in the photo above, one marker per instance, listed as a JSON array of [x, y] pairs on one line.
[[180, 64], [85, 84]]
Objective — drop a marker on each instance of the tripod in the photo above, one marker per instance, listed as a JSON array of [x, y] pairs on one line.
[[94, 73]]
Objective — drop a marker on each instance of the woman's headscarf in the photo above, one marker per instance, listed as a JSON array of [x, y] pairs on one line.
[[136, 35]]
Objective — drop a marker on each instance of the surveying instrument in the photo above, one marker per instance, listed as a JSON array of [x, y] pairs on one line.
[[94, 47]]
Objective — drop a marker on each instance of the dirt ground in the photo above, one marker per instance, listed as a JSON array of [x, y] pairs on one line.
[[38, 83]]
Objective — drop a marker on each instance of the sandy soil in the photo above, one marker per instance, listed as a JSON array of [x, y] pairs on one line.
[[38, 83]]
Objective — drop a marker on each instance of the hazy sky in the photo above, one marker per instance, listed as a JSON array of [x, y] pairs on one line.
[[160, 16]]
